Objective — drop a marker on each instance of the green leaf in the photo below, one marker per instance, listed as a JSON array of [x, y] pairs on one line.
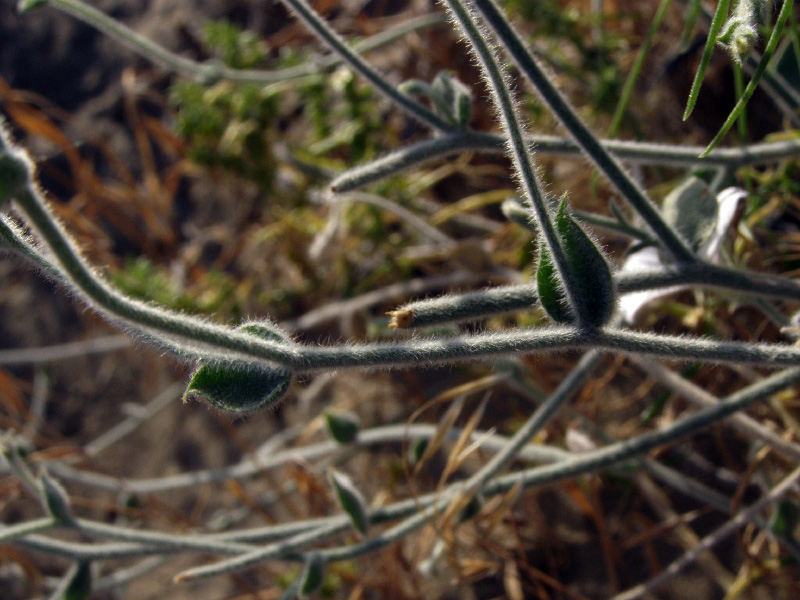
[[719, 17], [472, 508], [80, 583], [416, 450], [452, 98], [692, 209], [514, 211], [343, 427], [740, 31], [313, 574], [351, 501], [551, 294], [589, 274], [240, 389], [786, 518], [55, 498]]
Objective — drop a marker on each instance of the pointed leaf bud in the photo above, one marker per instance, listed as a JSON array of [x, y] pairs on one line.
[[342, 426], [588, 272], [351, 501], [313, 574], [56, 500]]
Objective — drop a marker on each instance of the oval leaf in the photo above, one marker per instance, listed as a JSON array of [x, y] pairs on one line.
[[237, 390], [343, 427], [240, 389], [589, 274], [692, 209]]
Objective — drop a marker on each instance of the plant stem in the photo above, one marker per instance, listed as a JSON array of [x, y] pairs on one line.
[[210, 71], [518, 149]]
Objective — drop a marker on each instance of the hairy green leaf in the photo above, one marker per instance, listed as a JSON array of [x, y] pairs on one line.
[[240, 389], [786, 518], [589, 274], [452, 98]]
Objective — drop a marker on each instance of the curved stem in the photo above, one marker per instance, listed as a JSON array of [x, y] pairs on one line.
[[69, 262], [175, 62]]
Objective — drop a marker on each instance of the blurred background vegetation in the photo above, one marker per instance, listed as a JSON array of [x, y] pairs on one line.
[[205, 196]]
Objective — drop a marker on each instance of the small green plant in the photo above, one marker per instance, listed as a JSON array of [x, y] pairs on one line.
[[246, 367]]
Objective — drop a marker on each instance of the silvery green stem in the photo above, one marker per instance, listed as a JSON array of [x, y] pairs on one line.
[[9, 533], [133, 40], [133, 421], [70, 263], [212, 71], [472, 305], [615, 225], [310, 358], [484, 345], [624, 450], [415, 222], [531, 68], [452, 142], [459, 141], [391, 293], [302, 10], [518, 150], [265, 461], [515, 212], [83, 551], [164, 541], [286, 549], [23, 245], [122, 576], [36, 356], [592, 461]]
